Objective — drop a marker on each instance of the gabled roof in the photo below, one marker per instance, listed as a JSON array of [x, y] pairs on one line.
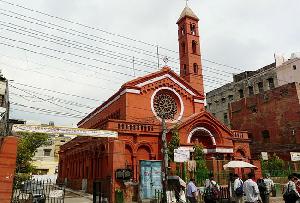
[[204, 113], [164, 72], [139, 82], [187, 12]]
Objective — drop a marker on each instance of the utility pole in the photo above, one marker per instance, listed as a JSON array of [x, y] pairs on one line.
[[165, 159]]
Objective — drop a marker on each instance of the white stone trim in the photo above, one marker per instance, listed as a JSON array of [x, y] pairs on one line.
[[163, 77], [180, 100], [218, 150], [134, 91], [201, 101], [201, 129], [214, 150]]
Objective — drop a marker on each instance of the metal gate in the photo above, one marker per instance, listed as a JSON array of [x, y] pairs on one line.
[[102, 191], [38, 191], [151, 179]]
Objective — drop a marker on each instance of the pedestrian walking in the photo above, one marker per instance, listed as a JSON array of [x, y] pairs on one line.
[[238, 189], [212, 190], [250, 189], [230, 187], [297, 183], [191, 191], [269, 186], [290, 194]]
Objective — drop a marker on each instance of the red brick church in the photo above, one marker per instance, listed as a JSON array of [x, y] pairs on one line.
[[134, 111]]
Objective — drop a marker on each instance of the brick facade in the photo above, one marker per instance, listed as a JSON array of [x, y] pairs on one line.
[[272, 120]]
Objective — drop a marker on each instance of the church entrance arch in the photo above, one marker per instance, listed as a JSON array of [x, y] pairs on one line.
[[201, 135]]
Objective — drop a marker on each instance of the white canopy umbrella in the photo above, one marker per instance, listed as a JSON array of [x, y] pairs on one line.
[[238, 164]]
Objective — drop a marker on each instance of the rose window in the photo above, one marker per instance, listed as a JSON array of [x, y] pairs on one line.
[[165, 106]]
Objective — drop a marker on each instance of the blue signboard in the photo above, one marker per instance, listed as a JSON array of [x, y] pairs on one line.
[[151, 178]]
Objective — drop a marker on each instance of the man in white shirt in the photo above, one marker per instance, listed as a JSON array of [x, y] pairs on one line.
[[238, 189], [269, 185], [191, 191], [251, 190]]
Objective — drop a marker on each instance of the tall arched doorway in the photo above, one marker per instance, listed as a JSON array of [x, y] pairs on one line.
[[201, 135]]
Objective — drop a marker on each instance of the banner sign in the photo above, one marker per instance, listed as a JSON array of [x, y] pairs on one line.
[[63, 130], [264, 155], [295, 156], [181, 155]]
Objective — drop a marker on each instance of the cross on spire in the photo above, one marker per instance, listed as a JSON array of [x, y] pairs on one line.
[[186, 2]]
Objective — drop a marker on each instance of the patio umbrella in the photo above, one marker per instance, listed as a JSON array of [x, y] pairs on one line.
[[238, 164]]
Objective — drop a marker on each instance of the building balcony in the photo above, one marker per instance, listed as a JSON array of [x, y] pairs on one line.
[[133, 127]]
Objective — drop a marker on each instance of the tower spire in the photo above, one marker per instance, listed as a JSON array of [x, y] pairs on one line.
[[189, 49]]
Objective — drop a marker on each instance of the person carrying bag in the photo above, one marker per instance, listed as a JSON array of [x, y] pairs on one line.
[[291, 195]]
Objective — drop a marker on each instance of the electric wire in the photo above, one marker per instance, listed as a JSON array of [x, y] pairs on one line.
[[97, 29]]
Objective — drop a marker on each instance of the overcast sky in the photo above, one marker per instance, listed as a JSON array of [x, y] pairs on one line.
[[86, 51]]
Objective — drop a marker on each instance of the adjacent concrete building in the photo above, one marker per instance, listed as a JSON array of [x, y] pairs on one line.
[[46, 157], [249, 83], [265, 103]]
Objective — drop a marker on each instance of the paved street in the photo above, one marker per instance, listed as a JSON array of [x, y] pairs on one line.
[[71, 197], [276, 200]]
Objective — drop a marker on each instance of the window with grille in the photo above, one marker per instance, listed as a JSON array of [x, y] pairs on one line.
[[47, 152]]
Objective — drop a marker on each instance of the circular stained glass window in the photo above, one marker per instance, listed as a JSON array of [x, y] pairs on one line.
[[165, 106]]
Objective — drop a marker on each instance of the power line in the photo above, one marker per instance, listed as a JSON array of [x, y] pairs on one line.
[[47, 110], [85, 45], [60, 58], [56, 76], [54, 91], [43, 113], [74, 44], [68, 45], [49, 97], [101, 30], [48, 101]]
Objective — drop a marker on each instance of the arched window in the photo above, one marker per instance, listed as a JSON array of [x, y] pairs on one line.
[[182, 30], [183, 47], [184, 70], [195, 66], [193, 29], [194, 47], [265, 135]]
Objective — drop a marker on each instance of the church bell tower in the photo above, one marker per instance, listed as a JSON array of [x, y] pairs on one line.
[[189, 49]]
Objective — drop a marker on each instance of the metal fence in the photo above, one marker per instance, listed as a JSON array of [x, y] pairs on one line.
[[38, 191]]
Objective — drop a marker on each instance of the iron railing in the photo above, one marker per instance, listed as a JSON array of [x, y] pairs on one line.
[[38, 191]]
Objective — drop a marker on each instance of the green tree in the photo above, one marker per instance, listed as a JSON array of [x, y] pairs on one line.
[[174, 143], [202, 171], [274, 165], [27, 146]]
